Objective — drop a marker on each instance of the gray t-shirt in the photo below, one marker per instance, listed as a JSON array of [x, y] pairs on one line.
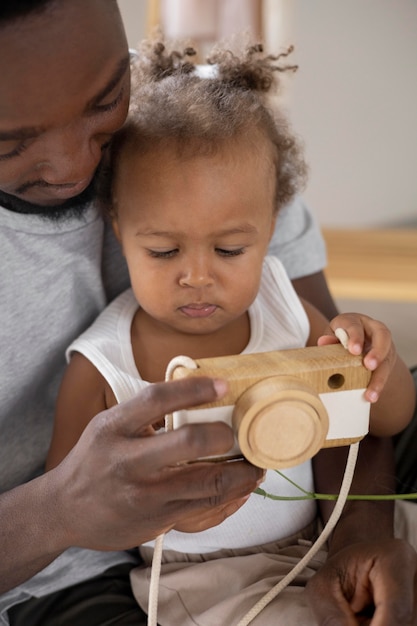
[[298, 241], [56, 278]]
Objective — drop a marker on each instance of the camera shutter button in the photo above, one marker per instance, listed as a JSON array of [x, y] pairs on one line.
[[280, 422]]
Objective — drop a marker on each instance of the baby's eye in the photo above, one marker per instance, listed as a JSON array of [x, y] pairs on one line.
[[229, 253], [162, 254]]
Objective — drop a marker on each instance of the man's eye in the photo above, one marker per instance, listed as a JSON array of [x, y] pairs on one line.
[[110, 106], [162, 254], [228, 253], [15, 152]]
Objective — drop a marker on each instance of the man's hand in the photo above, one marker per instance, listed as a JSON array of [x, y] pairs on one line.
[[122, 484], [367, 583], [369, 577]]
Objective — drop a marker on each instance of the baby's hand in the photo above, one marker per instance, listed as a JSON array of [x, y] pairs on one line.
[[369, 337]]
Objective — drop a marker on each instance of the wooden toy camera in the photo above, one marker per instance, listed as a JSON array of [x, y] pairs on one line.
[[285, 405]]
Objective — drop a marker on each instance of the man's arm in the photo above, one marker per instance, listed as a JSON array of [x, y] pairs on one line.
[[32, 532], [118, 488], [367, 571], [315, 290], [374, 474], [366, 566]]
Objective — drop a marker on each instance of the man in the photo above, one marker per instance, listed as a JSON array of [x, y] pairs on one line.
[[65, 91]]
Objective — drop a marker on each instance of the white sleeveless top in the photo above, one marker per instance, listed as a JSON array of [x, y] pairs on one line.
[[278, 322]]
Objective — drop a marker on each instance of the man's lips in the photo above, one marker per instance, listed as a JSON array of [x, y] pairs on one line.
[[198, 309], [50, 193], [69, 190]]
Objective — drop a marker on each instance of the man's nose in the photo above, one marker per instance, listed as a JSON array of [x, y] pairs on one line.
[[70, 158]]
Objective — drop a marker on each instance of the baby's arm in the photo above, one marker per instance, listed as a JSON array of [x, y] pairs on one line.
[[391, 389], [83, 394]]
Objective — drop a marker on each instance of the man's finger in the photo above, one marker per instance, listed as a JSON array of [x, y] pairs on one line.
[[394, 596], [159, 399]]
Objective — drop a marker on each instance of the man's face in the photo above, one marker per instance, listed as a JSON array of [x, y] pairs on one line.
[[65, 89]]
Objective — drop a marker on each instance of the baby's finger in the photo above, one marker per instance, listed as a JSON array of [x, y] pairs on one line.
[[327, 340], [379, 346], [377, 382]]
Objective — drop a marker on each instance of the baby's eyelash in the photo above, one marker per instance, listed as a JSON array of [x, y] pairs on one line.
[[235, 252], [165, 254]]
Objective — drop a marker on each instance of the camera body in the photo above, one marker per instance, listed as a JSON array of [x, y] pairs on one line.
[[283, 406]]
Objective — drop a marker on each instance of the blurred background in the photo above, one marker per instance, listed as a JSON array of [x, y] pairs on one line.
[[354, 103], [353, 99]]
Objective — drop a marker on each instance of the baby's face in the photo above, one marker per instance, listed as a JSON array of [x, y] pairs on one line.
[[195, 231]]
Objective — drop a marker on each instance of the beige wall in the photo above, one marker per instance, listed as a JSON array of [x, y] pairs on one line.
[[354, 101], [134, 13]]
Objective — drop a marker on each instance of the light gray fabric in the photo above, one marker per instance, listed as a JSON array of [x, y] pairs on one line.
[[52, 287], [54, 281], [297, 240]]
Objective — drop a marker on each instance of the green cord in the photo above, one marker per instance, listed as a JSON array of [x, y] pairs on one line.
[[311, 495]]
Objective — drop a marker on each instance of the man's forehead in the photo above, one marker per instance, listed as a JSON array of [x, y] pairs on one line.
[[56, 61], [52, 23]]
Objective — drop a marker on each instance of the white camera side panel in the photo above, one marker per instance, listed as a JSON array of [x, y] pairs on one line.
[[348, 413]]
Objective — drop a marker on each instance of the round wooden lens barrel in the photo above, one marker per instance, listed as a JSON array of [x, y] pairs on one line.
[[280, 422]]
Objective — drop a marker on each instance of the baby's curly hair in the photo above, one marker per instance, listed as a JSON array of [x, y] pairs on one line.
[[172, 102]]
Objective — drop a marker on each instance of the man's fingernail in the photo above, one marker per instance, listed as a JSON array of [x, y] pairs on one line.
[[220, 386]]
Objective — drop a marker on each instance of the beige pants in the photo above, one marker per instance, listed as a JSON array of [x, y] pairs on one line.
[[219, 589]]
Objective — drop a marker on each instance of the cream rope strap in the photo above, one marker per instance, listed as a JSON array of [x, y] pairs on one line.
[[320, 541], [183, 361]]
